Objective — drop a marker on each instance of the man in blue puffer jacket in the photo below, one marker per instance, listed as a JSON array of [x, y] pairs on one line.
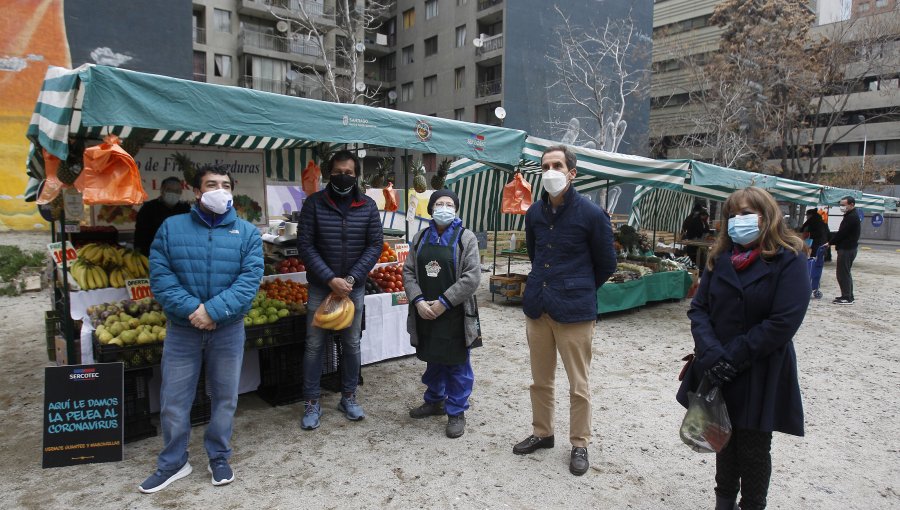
[[205, 269], [570, 244], [339, 240]]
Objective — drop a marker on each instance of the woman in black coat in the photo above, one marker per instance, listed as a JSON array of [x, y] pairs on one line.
[[814, 228], [750, 303]]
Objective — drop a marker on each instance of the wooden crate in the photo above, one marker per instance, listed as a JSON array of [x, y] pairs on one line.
[[508, 285]]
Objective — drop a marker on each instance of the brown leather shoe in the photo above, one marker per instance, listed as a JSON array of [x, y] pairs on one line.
[[532, 443]]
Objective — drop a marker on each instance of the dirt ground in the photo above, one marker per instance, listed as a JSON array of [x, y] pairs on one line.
[[849, 360]]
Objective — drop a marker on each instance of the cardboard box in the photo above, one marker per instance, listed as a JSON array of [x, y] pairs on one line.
[[508, 285]]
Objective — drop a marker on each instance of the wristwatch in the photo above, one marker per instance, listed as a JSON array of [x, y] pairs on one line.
[[351, 280]]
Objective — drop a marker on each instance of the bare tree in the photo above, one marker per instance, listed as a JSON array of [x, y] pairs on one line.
[[339, 71], [599, 73]]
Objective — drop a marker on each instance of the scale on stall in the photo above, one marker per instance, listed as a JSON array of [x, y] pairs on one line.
[[281, 239]]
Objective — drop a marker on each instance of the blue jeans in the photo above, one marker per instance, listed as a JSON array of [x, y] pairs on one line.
[[452, 383], [318, 338], [185, 348]]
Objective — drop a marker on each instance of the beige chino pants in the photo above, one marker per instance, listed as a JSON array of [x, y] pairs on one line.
[[573, 342]]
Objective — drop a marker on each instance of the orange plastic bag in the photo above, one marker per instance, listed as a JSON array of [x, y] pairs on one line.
[[311, 177], [110, 176], [52, 185], [516, 196], [335, 313], [390, 198]]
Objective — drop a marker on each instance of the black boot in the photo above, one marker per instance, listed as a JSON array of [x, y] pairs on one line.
[[723, 503]]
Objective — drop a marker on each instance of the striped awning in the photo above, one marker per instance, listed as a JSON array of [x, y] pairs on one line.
[[659, 209], [798, 192]]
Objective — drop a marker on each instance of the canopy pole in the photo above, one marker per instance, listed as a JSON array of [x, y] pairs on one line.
[[406, 191], [496, 218], [66, 319]]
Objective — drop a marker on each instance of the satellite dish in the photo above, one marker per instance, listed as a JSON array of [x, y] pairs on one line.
[[292, 75], [500, 112], [361, 153], [282, 26], [360, 47], [478, 43], [392, 95], [360, 86]]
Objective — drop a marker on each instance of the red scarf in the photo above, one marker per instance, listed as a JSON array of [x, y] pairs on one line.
[[743, 259]]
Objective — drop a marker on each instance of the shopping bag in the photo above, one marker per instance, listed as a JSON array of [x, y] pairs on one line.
[[516, 196], [110, 176], [52, 186], [390, 198], [706, 427], [310, 178], [335, 313]]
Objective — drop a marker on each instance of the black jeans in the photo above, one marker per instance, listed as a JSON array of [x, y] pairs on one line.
[[745, 465], [845, 260]]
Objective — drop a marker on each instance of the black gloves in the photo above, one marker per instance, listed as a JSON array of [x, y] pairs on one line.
[[721, 373]]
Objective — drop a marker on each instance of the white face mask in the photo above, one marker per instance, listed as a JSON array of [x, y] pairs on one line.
[[554, 182], [218, 201], [444, 215], [843, 208], [170, 199]]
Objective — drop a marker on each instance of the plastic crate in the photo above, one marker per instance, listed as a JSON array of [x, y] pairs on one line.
[[51, 328], [133, 356], [136, 405], [287, 330], [201, 410], [281, 374]]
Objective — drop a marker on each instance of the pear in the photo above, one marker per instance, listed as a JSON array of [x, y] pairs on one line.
[[145, 338], [117, 342], [105, 337]]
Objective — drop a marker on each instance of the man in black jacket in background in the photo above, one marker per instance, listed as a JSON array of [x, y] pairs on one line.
[[154, 212], [846, 240]]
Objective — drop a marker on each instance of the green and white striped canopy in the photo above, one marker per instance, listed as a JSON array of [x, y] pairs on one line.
[[659, 209]]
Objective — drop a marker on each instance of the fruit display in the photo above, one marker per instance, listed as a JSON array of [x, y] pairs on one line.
[[247, 208], [117, 214], [372, 287], [265, 311], [389, 278], [335, 314], [128, 322], [103, 265], [387, 254], [290, 265], [285, 290]]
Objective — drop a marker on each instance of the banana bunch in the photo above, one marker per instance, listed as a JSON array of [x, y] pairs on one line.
[[118, 277], [89, 276], [338, 318], [136, 264], [103, 255]]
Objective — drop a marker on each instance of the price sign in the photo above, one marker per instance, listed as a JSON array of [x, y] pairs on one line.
[[139, 288], [413, 205], [402, 251], [56, 253]]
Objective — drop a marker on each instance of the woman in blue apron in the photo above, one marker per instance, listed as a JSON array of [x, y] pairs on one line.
[[441, 275]]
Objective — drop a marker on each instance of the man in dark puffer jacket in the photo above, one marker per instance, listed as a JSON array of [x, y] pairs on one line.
[[339, 240]]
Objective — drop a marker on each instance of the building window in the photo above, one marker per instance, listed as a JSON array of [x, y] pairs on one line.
[[460, 36], [881, 3], [406, 92], [462, 2], [431, 46], [222, 19], [459, 78], [223, 66], [431, 9], [430, 83], [863, 7], [459, 114], [406, 54], [409, 18], [199, 66]]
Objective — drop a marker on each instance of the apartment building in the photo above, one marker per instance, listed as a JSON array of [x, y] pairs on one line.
[[682, 30]]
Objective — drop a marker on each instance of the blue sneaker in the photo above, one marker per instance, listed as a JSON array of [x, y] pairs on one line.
[[351, 409], [311, 413], [162, 478], [221, 472]]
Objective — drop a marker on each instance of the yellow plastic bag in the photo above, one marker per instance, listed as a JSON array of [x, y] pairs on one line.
[[335, 313]]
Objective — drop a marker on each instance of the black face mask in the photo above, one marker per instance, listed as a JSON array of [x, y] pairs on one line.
[[343, 183]]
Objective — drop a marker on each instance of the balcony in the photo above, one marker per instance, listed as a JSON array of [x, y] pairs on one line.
[[487, 4], [199, 35], [318, 12], [491, 44], [381, 75], [286, 48], [489, 88], [380, 44], [284, 87]]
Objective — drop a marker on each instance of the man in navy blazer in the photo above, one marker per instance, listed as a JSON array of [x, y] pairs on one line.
[[570, 244]]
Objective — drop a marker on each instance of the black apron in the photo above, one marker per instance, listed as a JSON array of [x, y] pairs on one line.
[[442, 340]]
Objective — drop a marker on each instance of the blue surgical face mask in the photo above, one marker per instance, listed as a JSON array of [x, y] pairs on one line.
[[744, 228], [443, 216]]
